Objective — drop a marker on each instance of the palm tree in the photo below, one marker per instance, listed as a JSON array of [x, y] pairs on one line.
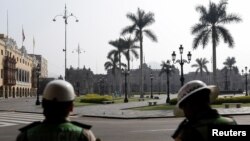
[[229, 65], [201, 65], [113, 64], [128, 44], [119, 48], [130, 49], [167, 69], [140, 21], [210, 25]]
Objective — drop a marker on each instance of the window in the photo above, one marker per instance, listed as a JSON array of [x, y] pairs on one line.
[[1, 52]]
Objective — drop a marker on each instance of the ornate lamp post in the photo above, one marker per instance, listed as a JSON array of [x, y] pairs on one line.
[[65, 17], [168, 69], [245, 73], [151, 84], [181, 62], [126, 73], [38, 68]]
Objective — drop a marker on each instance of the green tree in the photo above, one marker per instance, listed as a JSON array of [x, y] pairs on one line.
[[168, 70], [140, 21], [130, 49], [113, 65], [229, 65], [211, 26], [119, 49], [201, 65]]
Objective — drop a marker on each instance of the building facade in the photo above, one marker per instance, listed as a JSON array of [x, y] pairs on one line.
[[16, 70], [43, 65], [81, 79]]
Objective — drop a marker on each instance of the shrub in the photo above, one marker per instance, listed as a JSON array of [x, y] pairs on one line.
[[95, 98], [238, 99], [220, 100], [173, 101]]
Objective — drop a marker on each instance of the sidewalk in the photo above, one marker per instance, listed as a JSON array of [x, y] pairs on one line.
[[109, 110]]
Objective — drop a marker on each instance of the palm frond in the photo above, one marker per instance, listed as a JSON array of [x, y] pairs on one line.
[[151, 35], [206, 38], [112, 53], [203, 11], [135, 53], [128, 29], [199, 27], [198, 39], [226, 35], [148, 19], [230, 18], [132, 17]]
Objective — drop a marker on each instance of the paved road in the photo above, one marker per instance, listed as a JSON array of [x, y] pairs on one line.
[[107, 129], [108, 110]]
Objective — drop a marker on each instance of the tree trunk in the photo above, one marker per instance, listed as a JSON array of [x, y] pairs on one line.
[[214, 56], [129, 72], [120, 75], [141, 63]]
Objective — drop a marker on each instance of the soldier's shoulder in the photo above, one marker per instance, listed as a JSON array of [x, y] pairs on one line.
[[82, 125], [33, 124], [226, 120]]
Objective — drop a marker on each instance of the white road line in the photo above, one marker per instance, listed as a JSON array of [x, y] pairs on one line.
[[19, 118], [155, 130], [21, 115], [13, 118], [4, 124], [14, 121]]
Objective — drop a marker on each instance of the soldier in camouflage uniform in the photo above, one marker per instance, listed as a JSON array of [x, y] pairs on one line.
[[57, 103], [194, 99]]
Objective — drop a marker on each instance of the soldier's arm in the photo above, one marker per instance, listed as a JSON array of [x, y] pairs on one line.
[[89, 135]]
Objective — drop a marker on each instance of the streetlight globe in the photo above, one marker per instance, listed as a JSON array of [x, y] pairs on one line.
[[173, 56], [77, 20], [54, 20], [189, 55], [181, 49]]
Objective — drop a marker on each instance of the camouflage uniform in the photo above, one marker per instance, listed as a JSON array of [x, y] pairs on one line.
[[60, 131], [197, 128]]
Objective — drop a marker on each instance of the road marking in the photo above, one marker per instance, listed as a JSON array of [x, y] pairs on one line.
[[14, 118], [4, 124], [155, 130]]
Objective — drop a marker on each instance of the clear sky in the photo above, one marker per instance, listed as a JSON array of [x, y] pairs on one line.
[[102, 20]]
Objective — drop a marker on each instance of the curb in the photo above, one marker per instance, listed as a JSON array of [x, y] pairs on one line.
[[127, 118]]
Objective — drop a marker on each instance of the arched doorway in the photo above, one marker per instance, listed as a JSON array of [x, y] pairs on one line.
[[1, 92], [17, 92], [13, 92]]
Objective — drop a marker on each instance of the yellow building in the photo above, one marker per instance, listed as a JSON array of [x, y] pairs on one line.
[[17, 78]]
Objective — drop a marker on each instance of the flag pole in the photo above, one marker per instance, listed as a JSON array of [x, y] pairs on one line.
[[22, 35], [7, 24], [33, 45]]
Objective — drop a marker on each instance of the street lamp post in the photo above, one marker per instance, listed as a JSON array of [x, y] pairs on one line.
[[37, 91], [168, 69], [181, 62], [245, 73], [126, 73], [65, 17], [151, 78], [101, 86]]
